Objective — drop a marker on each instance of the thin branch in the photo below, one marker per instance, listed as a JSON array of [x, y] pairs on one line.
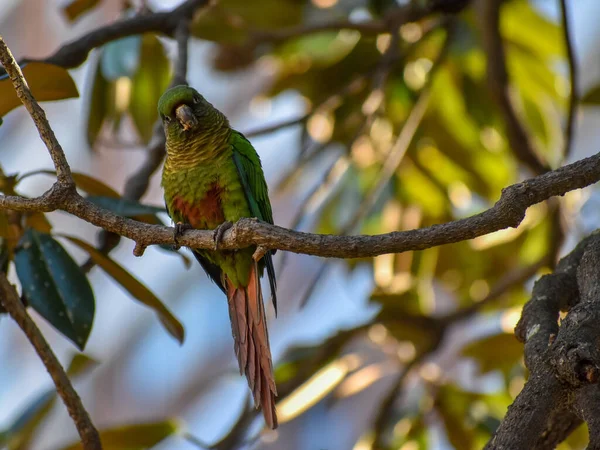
[[574, 94], [63, 171], [12, 304], [498, 82], [411, 12], [74, 53], [278, 126], [508, 211]]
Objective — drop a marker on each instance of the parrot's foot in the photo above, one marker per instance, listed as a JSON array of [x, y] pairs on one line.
[[259, 253], [220, 231], [180, 228]]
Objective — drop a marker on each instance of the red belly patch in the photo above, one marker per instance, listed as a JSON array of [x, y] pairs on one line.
[[206, 213]]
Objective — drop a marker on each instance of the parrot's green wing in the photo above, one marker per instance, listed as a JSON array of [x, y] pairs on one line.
[[255, 187]]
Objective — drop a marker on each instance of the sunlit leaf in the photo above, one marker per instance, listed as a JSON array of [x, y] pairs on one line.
[[138, 290], [592, 97], [101, 104], [55, 286], [453, 405], [80, 364], [231, 20], [75, 8], [46, 81], [148, 84], [38, 221], [133, 437], [497, 352]]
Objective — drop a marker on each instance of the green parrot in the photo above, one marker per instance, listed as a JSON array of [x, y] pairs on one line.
[[212, 177]]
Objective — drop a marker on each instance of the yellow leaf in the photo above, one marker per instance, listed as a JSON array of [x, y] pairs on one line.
[[130, 437], [77, 7], [38, 221], [46, 81], [138, 290]]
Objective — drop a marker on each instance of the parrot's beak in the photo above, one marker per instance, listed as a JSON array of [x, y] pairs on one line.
[[186, 117]]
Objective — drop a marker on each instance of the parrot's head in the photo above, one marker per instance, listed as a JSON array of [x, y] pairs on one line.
[[183, 110]]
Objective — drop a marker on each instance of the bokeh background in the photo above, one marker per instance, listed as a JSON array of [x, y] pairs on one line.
[[347, 331]]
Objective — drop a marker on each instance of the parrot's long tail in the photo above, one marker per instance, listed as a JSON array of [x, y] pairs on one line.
[[249, 327]]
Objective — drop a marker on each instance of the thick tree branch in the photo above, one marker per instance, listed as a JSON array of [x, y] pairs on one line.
[[12, 304], [564, 361]]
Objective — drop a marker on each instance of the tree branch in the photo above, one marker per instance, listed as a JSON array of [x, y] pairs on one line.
[[498, 82], [574, 94], [74, 53], [564, 361], [508, 211], [12, 304]]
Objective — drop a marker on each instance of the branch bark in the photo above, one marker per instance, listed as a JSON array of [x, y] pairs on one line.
[[12, 304], [564, 361], [573, 78], [498, 81], [74, 53]]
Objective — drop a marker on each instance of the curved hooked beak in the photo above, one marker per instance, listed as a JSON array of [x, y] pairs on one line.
[[185, 116]]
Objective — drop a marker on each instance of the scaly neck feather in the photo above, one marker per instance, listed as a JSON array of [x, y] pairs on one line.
[[207, 141]]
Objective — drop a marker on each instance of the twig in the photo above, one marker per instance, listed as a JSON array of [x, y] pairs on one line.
[[412, 12], [75, 53], [12, 303], [63, 171], [574, 94], [277, 126]]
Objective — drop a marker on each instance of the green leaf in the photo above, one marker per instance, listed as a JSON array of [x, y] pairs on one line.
[[80, 364], [101, 104], [592, 97], [148, 84], [134, 437], [138, 290], [498, 352], [230, 20], [46, 81], [75, 8], [122, 207], [55, 286], [453, 405]]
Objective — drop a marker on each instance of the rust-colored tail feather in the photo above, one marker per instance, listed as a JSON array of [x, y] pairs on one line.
[[251, 339]]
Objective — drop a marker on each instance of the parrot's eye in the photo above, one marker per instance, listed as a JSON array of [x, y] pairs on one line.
[[196, 100], [167, 118]]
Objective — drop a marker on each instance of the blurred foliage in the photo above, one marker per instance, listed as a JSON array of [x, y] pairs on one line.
[[359, 90], [46, 81]]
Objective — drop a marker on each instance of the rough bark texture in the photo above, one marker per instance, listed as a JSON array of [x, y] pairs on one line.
[[563, 358]]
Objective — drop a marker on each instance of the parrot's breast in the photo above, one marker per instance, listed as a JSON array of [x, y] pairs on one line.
[[205, 213]]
